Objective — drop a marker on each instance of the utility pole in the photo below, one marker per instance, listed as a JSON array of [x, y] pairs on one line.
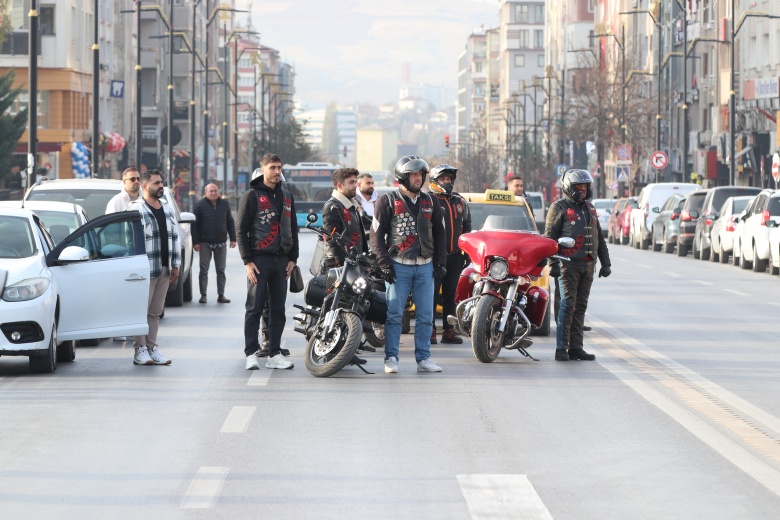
[[170, 97], [193, 147], [95, 94], [138, 119], [32, 115]]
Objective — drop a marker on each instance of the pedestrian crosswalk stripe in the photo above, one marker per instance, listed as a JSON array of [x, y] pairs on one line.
[[204, 487], [502, 496]]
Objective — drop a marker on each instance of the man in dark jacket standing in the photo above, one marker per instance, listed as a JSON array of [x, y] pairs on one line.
[[407, 236], [268, 244], [213, 225], [342, 214], [574, 217]]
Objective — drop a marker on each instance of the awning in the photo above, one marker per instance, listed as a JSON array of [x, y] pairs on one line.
[[21, 148]]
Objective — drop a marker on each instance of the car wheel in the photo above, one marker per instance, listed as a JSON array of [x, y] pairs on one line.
[[66, 351], [724, 256], [175, 298], [623, 239], [46, 363], [714, 253], [682, 249], [188, 287], [759, 265], [656, 245], [644, 243], [696, 254], [744, 264], [705, 253], [773, 269], [668, 244]]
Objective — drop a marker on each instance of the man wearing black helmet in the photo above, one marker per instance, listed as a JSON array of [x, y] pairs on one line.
[[457, 220], [574, 217], [407, 235]]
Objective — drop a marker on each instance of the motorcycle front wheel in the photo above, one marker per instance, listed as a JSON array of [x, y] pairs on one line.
[[486, 341], [323, 359]]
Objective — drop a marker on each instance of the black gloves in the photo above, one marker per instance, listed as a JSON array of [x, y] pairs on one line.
[[605, 271], [555, 269], [439, 271], [388, 273]]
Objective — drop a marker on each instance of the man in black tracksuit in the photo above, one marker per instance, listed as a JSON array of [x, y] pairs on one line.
[[268, 244], [457, 220], [213, 226], [342, 213], [574, 217]]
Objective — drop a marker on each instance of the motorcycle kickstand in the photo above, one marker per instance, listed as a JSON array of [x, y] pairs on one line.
[[361, 368], [525, 353]]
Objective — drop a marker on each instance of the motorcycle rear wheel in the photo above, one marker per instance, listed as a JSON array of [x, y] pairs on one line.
[[486, 341], [347, 341], [376, 338]]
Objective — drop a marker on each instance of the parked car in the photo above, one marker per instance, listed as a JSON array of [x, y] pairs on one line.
[[60, 218], [603, 210], [617, 207], [536, 201], [688, 218], [702, 241], [751, 235], [774, 247], [667, 224], [653, 196], [93, 195], [621, 228], [54, 295], [722, 232]]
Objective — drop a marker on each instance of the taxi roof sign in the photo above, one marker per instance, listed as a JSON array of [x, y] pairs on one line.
[[499, 196]]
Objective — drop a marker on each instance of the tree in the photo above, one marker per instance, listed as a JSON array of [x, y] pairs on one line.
[[289, 143], [11, 126]]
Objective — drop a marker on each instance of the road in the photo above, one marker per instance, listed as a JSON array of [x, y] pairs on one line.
[[677, 418]]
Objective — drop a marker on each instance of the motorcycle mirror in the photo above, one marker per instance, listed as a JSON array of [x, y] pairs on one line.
[[312, 217], [566, 242]]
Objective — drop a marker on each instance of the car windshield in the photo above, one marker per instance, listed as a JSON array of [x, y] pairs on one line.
[[740, 205], [604, 204], [696, 201], [94, 202], [514, 217], [535, 201], [16, 237], [59, 224], [774, 206]]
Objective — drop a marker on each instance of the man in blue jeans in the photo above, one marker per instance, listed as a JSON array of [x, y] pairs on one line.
[[407, 236]]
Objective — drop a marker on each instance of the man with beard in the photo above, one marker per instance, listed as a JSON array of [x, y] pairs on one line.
[[163, 249], [407, 235], [131, 190], [366, 195], [341, 215]]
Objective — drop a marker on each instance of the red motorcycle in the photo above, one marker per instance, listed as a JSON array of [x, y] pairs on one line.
[[497, 305]]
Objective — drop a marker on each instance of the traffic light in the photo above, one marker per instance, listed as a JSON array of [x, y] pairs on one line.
[[446, 140]]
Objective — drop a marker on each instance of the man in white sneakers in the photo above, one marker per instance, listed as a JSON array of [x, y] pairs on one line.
[[162, 248]]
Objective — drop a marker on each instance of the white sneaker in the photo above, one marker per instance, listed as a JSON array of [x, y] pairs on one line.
[[252, 362], [391, 365], [142, 356], [426, 365], [158, 358], [278, 361]]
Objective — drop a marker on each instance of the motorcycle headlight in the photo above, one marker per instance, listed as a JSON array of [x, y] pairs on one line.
[[26, 290], [360, 285], [498, 269]]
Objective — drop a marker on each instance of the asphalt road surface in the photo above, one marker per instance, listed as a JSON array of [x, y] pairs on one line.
[[678, 418]]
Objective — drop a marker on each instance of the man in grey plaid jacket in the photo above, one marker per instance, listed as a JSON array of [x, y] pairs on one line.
[[162, 247]]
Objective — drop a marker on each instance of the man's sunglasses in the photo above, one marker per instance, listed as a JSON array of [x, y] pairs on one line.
[[133, 179]]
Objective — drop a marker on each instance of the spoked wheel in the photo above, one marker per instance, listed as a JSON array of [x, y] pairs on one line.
[[325, 358], [486, 341]]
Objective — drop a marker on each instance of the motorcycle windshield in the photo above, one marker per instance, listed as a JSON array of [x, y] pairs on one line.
[[523, 250]]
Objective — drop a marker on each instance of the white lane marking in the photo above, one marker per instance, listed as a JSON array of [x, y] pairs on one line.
[[735, 292], [645, 266], [672, 274], [205, 487], [620, 259], [703, 282], [238, 419], [260, 377], [754, 467], [502, 496]]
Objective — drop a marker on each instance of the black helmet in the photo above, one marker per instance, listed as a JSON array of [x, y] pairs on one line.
[[438, 171], [409, 164], [572, 177]]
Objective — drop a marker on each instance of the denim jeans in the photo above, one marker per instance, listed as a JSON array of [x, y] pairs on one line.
[[418, 280]]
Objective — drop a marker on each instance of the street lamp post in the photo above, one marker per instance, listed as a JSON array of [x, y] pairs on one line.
[[170, 97], [138, 109], [32, 94], [237, 56], [95, 92], [193, 147]]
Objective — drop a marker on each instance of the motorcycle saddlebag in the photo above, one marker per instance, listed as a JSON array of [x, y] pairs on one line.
[[537, 305], [314, 294], [377, 311]]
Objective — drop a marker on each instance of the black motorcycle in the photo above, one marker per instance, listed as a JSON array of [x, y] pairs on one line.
[[340, 307]]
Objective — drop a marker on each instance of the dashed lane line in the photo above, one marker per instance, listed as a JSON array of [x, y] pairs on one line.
[[704, 282], [497, 497], [259, 377], [238, 419], [205, 487], [672, 274], [736, 293], [645, 266]]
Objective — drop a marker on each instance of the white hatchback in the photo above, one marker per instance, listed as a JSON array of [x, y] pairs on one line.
[[93, 284], [751, 236]]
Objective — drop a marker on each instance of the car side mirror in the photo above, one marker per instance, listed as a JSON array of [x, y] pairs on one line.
[[566, 242], [73, 254], [656, 210], [693, 213], [185, 217], [736, 219], [609, 211], [771, 224]]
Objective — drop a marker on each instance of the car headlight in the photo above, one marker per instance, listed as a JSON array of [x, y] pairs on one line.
[[25, 290], [498, 269], [359, 286]]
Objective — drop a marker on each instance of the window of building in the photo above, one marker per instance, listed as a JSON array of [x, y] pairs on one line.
[[521, 14], [540, 60], [591, 6], [22, 101], [478, 67], [539, 39], [46, 20], [524, 39], [538, 14], [519, 60]]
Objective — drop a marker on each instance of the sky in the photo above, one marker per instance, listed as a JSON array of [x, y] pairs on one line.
[[351, 51]]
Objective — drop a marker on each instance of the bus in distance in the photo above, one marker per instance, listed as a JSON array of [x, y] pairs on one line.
[[311, 184]]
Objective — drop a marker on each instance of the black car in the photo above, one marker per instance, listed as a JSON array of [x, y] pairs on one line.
[[688, 218], [702, 242]]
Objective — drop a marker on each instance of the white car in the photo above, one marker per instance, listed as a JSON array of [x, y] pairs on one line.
[[603, 211], [535, 199], [722, 232], [94, 284], [751, 236], [93, 195], [60, 218], [653, 196]]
